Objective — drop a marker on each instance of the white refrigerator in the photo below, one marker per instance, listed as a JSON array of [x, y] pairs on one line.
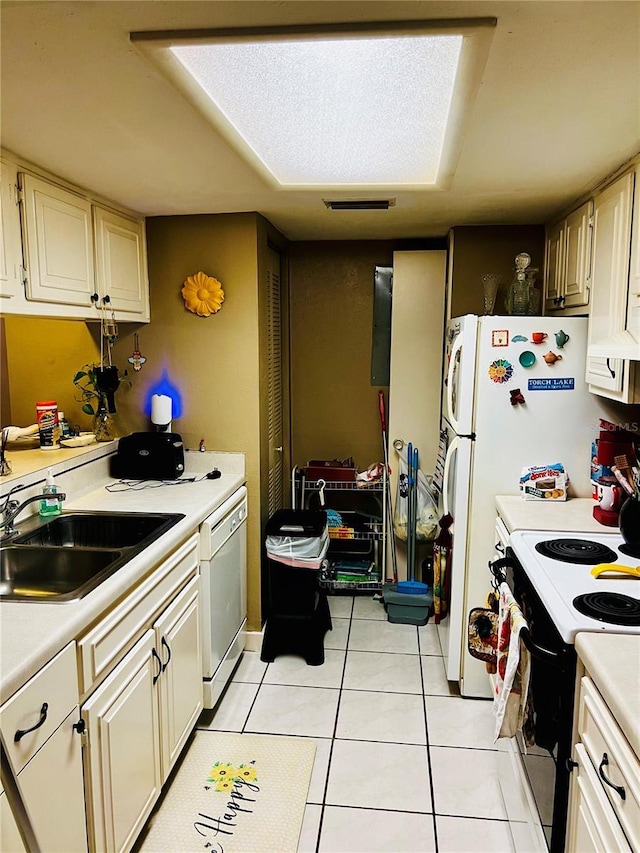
[[513, 395]]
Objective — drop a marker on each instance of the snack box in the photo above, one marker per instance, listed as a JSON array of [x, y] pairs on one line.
[[544, 483]]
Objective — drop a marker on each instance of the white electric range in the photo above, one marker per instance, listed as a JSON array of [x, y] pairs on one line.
[[549, 573], [559, 568]]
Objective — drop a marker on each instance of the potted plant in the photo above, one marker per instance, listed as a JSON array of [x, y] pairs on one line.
[[97, 386]]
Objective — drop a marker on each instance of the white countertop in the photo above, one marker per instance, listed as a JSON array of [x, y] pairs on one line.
[[32, 632], [575, 514], [613, 662]]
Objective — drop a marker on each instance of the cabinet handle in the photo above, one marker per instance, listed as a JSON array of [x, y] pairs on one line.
[[22, 732], [617, 788], [95, 298], [155, 655], [80, 726], [499, 547], [166, 645], [611, 370]]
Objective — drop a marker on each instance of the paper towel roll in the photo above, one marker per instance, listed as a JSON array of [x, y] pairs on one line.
[[160, 409]]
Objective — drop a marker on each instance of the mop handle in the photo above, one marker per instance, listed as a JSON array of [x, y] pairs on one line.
[[414, 514], [383, 419], [409, 511]]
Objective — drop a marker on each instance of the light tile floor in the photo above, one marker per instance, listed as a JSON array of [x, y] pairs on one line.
[[403, 763]]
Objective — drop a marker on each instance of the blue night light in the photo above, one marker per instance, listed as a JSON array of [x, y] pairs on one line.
[[164, 386]]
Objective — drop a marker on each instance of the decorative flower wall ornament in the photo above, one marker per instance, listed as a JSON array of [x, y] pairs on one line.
[[202, 294]]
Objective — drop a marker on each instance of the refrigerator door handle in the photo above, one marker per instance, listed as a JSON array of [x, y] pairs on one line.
[[445, 474], [457, 346]]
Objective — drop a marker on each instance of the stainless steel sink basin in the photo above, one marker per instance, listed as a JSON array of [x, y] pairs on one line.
[[99, 530], [54, 574], [64, 558]]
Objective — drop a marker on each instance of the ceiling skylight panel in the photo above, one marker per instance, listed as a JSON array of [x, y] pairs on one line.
[[334, 111]]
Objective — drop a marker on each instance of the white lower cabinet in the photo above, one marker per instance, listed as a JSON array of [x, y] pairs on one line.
[[179, 645], [138, 721], [604, 805], [10, 838], [592, 825], [39, 728], [123, 749]]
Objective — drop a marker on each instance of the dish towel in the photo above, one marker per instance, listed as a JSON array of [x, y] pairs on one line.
[[514, 667]]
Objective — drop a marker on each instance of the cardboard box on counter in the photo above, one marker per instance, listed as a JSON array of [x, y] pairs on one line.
[[544, 483]]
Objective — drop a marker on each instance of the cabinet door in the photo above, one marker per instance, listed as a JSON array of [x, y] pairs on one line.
[[178, 644], [610, 278], [10, 838], [121, 270], [578, 256], [592, 826], [58, 243], [10, 238], [554, 267], [122, 760], [633, 306], [52, 787]]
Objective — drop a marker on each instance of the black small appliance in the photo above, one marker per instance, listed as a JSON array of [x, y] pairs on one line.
[[149, 456]]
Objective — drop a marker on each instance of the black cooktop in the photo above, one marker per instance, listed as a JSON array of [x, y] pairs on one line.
[[580, 551], [611, 607]]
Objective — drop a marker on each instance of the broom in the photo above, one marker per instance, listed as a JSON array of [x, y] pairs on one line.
[[411, 586]]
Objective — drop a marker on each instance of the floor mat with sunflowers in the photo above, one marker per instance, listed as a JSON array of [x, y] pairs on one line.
[[233, 793]]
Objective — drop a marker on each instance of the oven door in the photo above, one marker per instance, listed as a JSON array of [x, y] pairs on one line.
[[540, 754]]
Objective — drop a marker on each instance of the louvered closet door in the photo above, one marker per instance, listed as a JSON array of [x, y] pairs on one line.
[[274, 368]]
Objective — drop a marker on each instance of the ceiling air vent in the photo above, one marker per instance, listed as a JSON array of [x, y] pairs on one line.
[[361, 204]]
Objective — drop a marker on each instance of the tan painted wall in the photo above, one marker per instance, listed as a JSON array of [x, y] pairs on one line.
[[334, 409], [42, 358], [490, 248], [214, 361]]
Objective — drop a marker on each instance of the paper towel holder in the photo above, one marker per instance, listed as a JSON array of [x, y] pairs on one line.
[[161, 414]]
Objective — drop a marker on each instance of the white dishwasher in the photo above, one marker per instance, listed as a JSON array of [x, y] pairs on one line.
[[223, 569]]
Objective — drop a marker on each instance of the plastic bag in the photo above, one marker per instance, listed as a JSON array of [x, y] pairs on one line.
[[427, 511]]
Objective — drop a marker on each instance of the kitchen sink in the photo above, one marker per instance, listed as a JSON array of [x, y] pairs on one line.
[[54, 574], [64, 558], [99, 530]]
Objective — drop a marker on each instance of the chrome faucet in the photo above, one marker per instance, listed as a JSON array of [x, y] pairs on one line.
[[11, 509]]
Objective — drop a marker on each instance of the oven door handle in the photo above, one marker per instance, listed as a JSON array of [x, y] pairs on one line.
[[539, 651]]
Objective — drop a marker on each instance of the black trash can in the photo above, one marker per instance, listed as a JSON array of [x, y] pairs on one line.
[[297, 608]]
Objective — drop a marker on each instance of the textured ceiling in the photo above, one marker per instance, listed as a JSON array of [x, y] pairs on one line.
[[557, 109]]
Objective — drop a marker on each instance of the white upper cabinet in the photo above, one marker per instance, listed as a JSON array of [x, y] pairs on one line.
[[611, 377], [58, 243], [568, 261], [65, 253], [10, 239], [554, 266], [121, 269], [633, 301]]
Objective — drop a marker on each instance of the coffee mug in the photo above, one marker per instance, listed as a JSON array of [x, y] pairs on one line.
[[538, 337], [609, 496]]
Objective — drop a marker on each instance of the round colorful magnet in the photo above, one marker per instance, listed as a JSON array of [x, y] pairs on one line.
[[500, 370], [527, 358]]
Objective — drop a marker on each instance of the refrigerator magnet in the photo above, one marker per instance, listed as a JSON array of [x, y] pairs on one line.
[[500, 338], [519, 339], [500, 370]]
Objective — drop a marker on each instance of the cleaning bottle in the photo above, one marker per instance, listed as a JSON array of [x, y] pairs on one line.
[[442, 546], [50, 505], [65, 427]]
